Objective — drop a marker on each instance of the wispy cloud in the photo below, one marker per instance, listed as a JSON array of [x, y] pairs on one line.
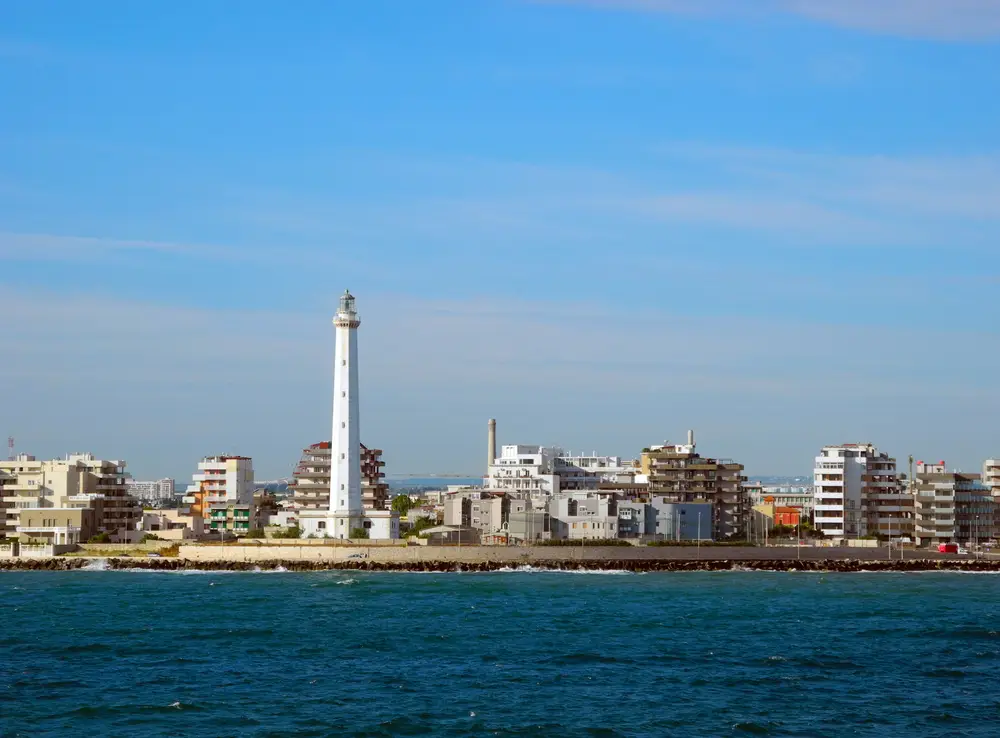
[[52, 247], [793, 197], [940, 19]]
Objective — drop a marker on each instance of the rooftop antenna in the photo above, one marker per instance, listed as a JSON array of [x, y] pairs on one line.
[[10, 448]]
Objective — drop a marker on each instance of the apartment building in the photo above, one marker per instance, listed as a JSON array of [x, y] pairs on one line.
[[486, 510], [678, 474], [221, 479], [858, 494], [539, 472], [311, 479], [951, 506], [659, 519], [991, 476], [529, 526], [577, 472], [525, 471], [162, 490], [65, 501], [584, 515]]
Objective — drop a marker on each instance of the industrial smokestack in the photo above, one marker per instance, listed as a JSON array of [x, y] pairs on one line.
[[492, 444], [690, 438]]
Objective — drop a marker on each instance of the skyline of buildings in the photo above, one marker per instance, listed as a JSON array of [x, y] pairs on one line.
[[526, 492], [65, 501]]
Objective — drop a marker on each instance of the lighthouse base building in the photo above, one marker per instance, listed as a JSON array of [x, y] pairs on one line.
[[345, 516]]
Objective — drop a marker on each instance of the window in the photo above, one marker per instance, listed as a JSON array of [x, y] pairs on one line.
[[343, 394], [343, 424], [343, 362], [343, 456], [341, 487], [321, 525]]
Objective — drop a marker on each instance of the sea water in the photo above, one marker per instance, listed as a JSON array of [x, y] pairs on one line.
[[520, 653]]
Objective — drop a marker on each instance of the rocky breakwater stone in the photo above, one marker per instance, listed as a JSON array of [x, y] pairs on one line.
[[635, 565]]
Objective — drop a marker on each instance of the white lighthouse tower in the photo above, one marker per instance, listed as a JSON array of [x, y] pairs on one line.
[[345, 512], [345, 445]]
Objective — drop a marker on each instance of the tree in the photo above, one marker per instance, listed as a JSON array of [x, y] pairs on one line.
[[359, 532], [150, 537], [402, 504], [293, 532], [421, 525], [100, 538]]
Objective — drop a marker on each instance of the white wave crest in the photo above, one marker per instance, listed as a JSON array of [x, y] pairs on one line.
[[96, 565]]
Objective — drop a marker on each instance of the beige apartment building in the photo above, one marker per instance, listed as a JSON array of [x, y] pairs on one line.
[[679, 474], [952, 506], [311, 478], [64, 501]]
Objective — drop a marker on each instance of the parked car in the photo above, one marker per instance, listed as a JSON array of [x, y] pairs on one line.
[[962, 550], [948, 548], [154, 555], [357, 556]]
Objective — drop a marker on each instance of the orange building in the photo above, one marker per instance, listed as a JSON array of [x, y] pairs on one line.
[[787, 516]]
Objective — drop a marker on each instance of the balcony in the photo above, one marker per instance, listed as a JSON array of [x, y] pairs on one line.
[[311, 473]]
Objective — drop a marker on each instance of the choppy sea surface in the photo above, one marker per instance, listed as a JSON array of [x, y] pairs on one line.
[[522, 653]]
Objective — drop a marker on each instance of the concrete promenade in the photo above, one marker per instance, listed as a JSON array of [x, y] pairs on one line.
[[492, 558], [541, 555]]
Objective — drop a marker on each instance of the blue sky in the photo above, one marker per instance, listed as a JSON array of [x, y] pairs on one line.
[[776, 222]]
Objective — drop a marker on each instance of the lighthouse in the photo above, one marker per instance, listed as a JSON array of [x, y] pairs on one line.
[[345, 444], [345, 513]]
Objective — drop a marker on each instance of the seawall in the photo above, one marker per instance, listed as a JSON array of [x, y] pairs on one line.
[[473, 559]]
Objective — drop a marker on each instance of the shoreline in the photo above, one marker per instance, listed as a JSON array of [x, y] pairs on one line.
[[833, 565]]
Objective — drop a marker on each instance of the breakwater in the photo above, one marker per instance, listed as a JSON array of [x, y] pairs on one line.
[[844, 565]]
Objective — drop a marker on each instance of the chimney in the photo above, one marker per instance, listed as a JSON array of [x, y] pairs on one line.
[[690, 438], [492, 444]]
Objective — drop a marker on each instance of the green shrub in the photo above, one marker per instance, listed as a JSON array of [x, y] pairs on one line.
[[100, 538]]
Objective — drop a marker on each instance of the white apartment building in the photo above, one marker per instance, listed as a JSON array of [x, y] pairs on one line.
[[65, 501], [220, 480], [527, 471], [583, 515], [159, 491], [857, 493], [991, 475], [587, 472], [539, 472]]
